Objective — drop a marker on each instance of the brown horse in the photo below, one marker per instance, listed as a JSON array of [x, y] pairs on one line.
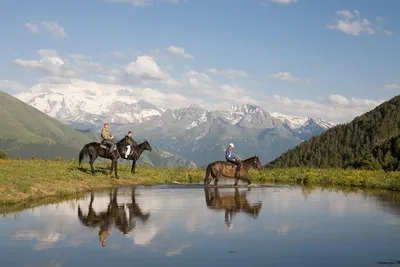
[[231, 204], [223, 168]]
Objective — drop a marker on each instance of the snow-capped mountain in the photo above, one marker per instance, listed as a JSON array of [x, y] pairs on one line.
[[89, 107], [295, 122]]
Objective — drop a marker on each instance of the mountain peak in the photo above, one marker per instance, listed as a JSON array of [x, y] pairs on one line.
[[245, 108], [296, 122]]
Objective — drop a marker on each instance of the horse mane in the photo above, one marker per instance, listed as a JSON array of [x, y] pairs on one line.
[[122, 140], [251, 158]]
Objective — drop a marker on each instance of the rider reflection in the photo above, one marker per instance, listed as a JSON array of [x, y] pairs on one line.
[[231, 203], [115, 216]]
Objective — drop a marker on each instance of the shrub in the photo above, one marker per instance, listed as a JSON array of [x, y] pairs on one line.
[[3, 155]]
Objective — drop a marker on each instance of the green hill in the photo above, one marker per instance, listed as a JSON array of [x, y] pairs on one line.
[[347, 143], [27, 132]]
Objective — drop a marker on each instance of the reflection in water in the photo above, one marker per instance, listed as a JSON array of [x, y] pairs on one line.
[[114, 215], [174, 226], [231, 203]]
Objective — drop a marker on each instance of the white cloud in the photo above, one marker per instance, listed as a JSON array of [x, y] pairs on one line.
[[53, 65], [180, 51], [146, 70], [91, 65], [284, 2], [12, 85], [286, 76], [53, 28], [338, 100], [145, 79], [230, 73], [334, 107], [387, 32], [79, 57], [392, 86], [352, 23], [50, 53], [32, 27]]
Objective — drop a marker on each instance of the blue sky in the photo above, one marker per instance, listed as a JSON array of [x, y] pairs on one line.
[[280, 54]]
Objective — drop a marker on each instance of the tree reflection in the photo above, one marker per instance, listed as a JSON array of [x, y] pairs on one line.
[[114, 217], [231, 203]]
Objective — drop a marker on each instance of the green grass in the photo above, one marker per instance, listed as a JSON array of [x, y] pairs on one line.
[[34, 179]]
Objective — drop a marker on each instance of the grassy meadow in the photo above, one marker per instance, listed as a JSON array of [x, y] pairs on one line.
[[32, 179]]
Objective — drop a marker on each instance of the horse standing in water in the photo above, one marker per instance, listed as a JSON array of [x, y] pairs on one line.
[[135, 153], [95, 149], [223, 168]]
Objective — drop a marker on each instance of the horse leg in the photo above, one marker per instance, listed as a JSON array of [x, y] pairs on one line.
[[133, 169], [236, 181], [247, 180], [112, 165], [91, 161], [216, 180], [116, 168]]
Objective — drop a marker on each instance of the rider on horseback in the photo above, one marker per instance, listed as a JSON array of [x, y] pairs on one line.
[[107, 138], [128, 148], [230, 157]]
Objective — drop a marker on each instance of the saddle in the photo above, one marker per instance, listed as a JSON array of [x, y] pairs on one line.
[[107, 146], [231, 164]]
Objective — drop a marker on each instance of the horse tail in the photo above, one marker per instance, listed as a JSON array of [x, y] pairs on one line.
[[84, 151], [208, 172]]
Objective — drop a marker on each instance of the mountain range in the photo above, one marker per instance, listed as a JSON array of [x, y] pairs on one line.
[[193, 133], [27, 131]]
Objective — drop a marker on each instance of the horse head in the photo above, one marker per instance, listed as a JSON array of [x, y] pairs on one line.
[[129, 140], [256, 163], [147, 146]]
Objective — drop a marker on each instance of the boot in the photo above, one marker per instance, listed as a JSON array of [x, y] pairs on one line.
[[237, 172]]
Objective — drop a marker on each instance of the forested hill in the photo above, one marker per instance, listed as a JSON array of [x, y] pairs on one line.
[[346, 143], [385, 156]]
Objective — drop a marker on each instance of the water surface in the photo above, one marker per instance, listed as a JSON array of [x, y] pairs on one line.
[[176, 225]]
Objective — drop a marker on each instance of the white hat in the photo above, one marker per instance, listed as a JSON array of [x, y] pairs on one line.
[[231, 144]]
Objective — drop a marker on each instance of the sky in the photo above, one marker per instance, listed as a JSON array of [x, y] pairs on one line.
[[333, 59]]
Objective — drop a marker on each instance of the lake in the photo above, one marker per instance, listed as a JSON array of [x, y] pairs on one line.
[[188, 225]]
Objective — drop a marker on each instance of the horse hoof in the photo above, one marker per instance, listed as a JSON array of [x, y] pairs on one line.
[[117, 177]]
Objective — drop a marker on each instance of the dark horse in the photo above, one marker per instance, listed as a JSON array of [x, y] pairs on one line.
[[135, 153], [223, 168], [95, 149]]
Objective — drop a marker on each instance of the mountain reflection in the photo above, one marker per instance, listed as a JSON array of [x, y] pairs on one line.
[[231, 203], [114, 217]]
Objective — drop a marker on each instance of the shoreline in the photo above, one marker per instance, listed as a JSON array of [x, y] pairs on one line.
[[33, 180]]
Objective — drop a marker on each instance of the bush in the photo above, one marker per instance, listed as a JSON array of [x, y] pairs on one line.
[[3, 155]]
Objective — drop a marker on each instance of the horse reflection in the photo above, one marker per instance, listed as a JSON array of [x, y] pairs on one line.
[[231, 203], [115, 216]]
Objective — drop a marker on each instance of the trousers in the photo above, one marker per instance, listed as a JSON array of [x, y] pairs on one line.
[[111, 143]]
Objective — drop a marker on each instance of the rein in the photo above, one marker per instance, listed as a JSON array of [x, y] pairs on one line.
[[247, 164]]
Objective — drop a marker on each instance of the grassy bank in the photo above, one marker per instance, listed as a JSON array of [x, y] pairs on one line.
[[26, 180]]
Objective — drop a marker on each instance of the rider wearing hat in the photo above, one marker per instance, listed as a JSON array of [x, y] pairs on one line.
[[230, 157]]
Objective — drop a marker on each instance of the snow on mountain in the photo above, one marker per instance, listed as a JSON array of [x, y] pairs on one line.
[[92, 106], [295, 122], [80, 105]]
